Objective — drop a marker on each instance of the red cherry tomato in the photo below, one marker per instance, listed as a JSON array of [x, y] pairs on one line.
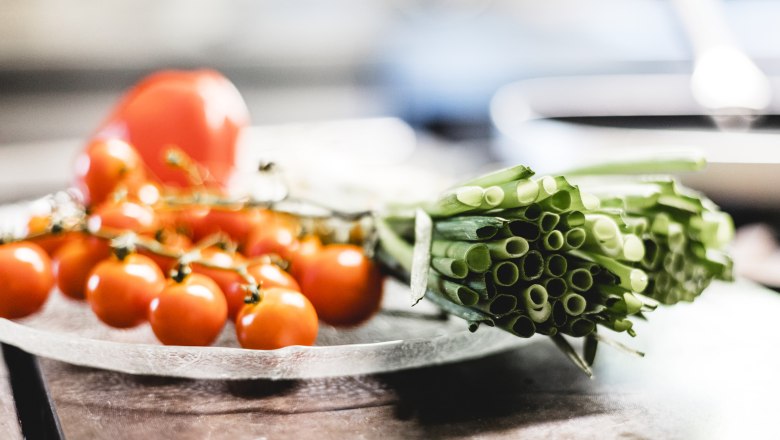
[[103, 165], [49, 243], [303, 255], [344, 285], [267, 275], [25, 279], [237, 224], [276, 236], [282, 318], [190, 220], [73, 262], [200, 112], [124, 215], [172, 241], [120, 292], [191, 312], [219, 257]]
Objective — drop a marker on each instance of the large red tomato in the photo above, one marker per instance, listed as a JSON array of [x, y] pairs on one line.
[[201, 112]]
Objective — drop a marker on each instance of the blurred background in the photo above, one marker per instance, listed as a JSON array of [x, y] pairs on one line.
[[485, 81]]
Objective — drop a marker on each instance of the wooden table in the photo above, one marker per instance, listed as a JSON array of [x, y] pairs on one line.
[[710, 373], [9, 424]]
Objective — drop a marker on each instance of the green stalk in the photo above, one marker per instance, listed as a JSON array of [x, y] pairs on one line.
[[468, 227], [555, 265], [630, 278], [652, 164], [517, 324], [531, 266], [491, 198], [579, 327], [501, 176], [523, 229], [579, 279], [529, 213], [476, 255], [574, 304], [519, 193], [553, 240], [505, 273], [548, 221], [457, 293], [450, 267], [511, 247], [555, 287], [534, 297], [559, 315], [540, 315], [499, 305], [573, 219], [574, 238], [456, 201]]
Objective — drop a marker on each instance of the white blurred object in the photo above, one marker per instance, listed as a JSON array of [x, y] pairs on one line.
[[725, 80], [756, 254]]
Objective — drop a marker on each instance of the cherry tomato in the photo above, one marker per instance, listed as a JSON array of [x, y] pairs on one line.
[[267, 275], [190, 220], [282, 318], [344, 285], [103, 165], [144, 191], [73, 262], [120, 292], [219, 257], [237, 224], [25, 279], [124, 215], [191, 312], [171, 240], [303, 255], [200, 112], [49, 243], [277, 236]]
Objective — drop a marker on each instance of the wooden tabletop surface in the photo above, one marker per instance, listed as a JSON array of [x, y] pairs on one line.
[[710, 373], [9, 424]]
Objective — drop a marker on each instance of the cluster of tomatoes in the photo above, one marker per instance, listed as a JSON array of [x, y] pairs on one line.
[[164, 266]]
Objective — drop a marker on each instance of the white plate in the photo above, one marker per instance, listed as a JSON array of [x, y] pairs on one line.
[[68, 331]]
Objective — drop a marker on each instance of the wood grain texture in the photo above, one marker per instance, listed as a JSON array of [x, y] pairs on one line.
[[502, 396], [700, 380], [9, 423]]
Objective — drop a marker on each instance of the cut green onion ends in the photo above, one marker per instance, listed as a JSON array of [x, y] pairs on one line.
[[567, 255]]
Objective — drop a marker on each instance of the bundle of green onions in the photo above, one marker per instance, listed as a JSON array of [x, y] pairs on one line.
[[543, 255]]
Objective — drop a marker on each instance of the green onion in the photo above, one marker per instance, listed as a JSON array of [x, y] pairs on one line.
[[511, 247], [456, 201], [531, 266], [540, 315], [555, 265], [555, 287], [476, 255], [579, 279], [574, 238], [548, 221], [553, 240], [450, 267], [457, 293], [521, 228], [574, 304], [519, 193], [501, 176], [534, 297], [505, 273], [499, 305], [517, 324], [468, 227]]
